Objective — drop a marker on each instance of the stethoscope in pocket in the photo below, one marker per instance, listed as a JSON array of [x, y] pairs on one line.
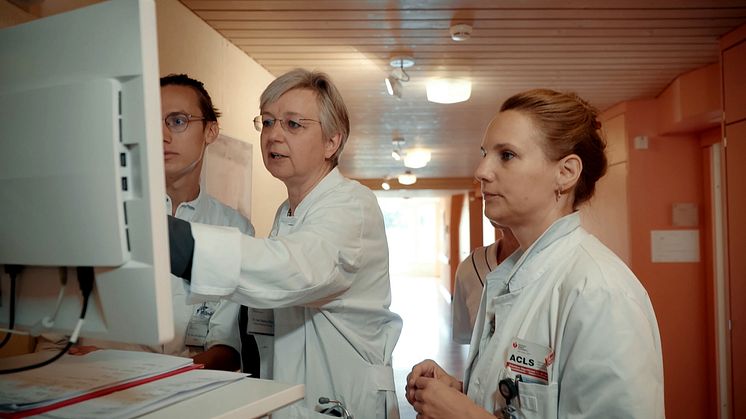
[[337, 409]]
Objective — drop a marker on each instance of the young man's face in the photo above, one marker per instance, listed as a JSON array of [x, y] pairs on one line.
[[182, 151]]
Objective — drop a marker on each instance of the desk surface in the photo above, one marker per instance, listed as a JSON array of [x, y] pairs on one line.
[[246, 398]]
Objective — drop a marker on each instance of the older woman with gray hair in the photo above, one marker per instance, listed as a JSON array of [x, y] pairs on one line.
[[324, 268]]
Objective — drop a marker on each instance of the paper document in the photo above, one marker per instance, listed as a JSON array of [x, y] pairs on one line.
[[74, 376], [146, 398]]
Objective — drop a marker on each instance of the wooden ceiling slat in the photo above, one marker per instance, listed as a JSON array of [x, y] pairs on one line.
[[470, 15], [479, 25], [557, 65], [325, 5], [491, 54], [527, 41], [463, 48], [484, 33]]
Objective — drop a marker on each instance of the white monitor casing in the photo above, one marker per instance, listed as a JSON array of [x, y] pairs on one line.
[[81, 171]]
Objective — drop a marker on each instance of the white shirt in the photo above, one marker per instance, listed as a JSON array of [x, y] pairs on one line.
[[325, 272], [570, 293], [222, 325]]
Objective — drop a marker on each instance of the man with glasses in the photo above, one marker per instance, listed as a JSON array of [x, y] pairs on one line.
[[190, 125], [208, 332]]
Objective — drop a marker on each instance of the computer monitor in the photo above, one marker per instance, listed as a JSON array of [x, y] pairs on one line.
[[81, 172]]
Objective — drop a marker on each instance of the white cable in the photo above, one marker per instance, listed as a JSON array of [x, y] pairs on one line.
[[48, 321], [74, 336], [13, 331]]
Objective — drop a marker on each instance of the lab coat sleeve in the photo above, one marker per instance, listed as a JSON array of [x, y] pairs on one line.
[[217, 260], [611, 362], [310, 265], [223, 329]]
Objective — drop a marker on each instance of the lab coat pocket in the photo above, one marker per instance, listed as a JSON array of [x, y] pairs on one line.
[[538, 400]]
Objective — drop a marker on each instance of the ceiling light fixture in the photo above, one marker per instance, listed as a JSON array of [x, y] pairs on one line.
[[417, 158], [407, 178], [393, 86], [385, 185], [443, 90], [398, 75], [397, 144]]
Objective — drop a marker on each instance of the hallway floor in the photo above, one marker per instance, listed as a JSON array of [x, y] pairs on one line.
[[426, 314]]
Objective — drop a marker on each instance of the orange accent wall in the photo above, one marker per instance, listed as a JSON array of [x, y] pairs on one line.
[[457, 203], [475, 220], [733, 60], [671, 170]]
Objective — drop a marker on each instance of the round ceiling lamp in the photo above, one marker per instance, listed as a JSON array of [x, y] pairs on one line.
[[417, 158], [401, 61], [407, 178], [444, 90]]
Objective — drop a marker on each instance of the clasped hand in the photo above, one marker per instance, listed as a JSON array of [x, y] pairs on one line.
[[434, 393]]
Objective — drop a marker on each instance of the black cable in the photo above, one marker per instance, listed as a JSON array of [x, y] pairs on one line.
[[86, 279], [13, 271], [404, 73]]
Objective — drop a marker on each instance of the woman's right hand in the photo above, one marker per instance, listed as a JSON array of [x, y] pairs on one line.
[[430, 369]]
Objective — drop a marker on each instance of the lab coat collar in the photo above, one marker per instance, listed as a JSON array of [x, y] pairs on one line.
[[329, 182], [534, 260]]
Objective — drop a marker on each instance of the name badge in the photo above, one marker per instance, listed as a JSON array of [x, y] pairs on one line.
[[530, 361], [261, 322], [199, 326]]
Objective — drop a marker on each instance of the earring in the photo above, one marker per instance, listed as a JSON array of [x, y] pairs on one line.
[[559, 193]]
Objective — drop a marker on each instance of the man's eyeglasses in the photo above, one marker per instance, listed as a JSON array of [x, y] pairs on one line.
[[290, 125], [178, 122]]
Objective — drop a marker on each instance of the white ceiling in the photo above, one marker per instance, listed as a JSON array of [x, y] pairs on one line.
[[607, 51]]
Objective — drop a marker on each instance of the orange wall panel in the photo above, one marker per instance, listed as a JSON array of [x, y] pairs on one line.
[[734, 66], [669, 172]]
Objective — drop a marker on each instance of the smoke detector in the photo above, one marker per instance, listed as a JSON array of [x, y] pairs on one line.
[[460, 32]]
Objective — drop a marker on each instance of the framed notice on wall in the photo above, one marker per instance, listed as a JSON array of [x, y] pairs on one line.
[[226, 173], [674, 246]]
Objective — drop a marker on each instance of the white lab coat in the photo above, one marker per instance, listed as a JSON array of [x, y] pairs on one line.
[[325, 272], [570, 293]]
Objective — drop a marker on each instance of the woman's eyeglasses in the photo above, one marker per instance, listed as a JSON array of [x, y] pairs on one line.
[[289, 125]]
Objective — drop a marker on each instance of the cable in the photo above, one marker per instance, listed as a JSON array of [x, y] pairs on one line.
[[86, 278], [48, 321], [13, 271], [404, 73]]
